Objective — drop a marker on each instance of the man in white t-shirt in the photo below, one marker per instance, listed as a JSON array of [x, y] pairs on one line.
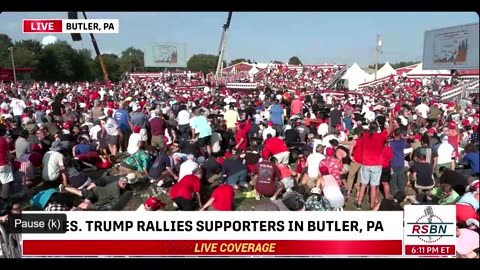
[[17, 106], [187, 167], [135, 140], [215, 142], [53, 164], [446, 154], [313, 165], [269, 130], [423, 110]]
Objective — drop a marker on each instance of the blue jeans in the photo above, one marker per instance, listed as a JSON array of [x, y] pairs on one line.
[[398, 181], [237, 179]]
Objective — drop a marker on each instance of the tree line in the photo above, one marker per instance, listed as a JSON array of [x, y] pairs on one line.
[[61, 62]]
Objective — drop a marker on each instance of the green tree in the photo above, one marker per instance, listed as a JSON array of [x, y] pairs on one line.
[[404, 64], [236, 61], [5, 43], [112, 64], [33, 45], [132, 59], [294, 61], [205, 63], [57, 62], [27, 53], [84, 65]]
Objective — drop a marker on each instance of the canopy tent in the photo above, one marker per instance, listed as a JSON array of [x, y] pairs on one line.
[[419, 71], [385, 71], [253, 71], [355, 76]]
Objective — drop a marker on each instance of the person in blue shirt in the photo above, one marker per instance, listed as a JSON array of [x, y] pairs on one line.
[[398, 181], [82, 147], [124, 124], [471, 157], [276, 116]]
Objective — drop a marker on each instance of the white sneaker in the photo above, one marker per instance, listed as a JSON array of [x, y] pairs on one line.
[[160, 183], [273, 199], [152, 181], [258, 197], [175, 205]]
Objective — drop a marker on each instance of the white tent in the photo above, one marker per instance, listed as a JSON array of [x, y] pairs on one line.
[[386, 71], [355, 76], [253, 71], [419, 71]]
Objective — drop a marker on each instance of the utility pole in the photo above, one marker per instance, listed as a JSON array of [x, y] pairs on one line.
[[99, 55], [223, 42], [11, 49], [378, 50]]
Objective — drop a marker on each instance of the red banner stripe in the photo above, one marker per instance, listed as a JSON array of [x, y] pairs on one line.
[[209, 247]]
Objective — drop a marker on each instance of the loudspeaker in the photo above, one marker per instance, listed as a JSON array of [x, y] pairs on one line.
[[72, 15]]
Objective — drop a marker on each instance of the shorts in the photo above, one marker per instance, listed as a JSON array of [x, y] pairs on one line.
[[288, 183], [158, 141], [385, 177], [312, 182], [371, 175], [112, 139], [204, 141]]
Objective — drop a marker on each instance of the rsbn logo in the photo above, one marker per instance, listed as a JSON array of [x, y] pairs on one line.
[[429, 227]]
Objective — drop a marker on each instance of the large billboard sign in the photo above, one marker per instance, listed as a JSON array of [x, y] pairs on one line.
[[165, 55], [451, 48]]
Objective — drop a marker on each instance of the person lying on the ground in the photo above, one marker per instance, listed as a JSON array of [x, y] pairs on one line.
[[445, 194], [391, 204], [137, 163], [292, 201], [91, 161], [13, 209], [102, 197]]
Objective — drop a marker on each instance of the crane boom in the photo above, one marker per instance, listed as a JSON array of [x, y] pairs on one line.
[[99, 55], [223, 42]]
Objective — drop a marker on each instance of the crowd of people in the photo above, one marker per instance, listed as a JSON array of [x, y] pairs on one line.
[[280, 76], [292, 148]]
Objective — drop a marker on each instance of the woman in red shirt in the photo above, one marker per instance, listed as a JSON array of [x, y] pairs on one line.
[[372, 160], [386, 171]]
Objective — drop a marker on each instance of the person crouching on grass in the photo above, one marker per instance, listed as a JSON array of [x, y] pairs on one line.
[[181, 192], [221, 199]]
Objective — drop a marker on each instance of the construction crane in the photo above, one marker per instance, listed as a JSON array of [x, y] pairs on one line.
[[73, 15], [97, 51], [223, 42]]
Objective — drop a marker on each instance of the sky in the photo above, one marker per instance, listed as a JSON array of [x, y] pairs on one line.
[[314, 37]]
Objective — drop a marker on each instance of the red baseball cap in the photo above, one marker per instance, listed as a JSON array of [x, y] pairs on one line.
[[323, 169], [329, 151]]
